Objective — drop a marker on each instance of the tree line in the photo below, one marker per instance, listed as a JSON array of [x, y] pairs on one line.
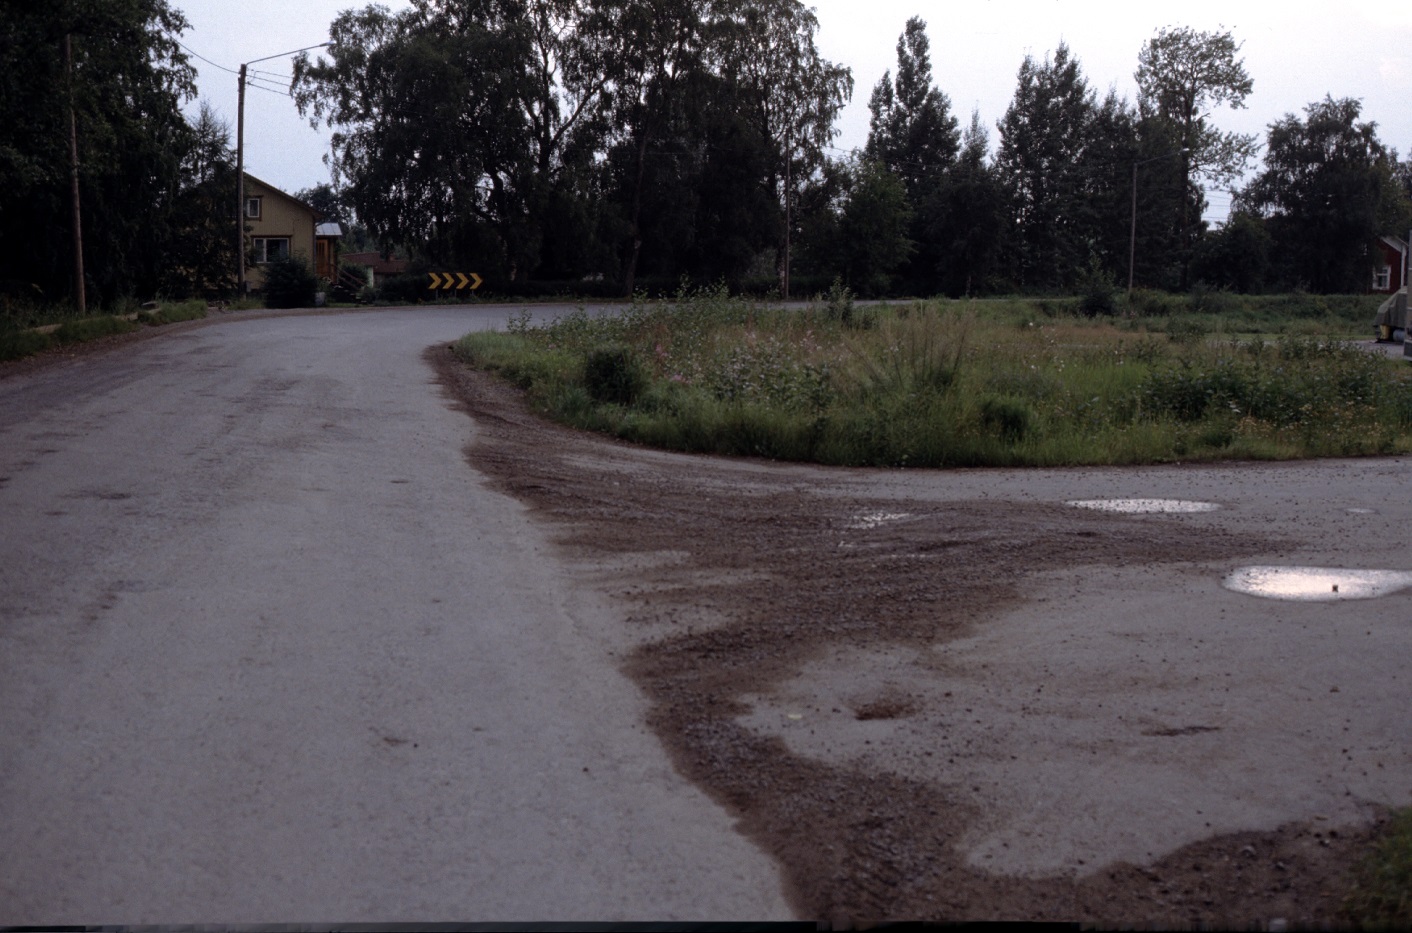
[[580, 144]]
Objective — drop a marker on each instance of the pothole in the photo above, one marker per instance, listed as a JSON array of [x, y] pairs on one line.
[[1135, 506], [1316, 584]]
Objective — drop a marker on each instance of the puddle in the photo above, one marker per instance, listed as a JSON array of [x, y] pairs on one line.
[[1316, 584], [1141, 506], [874, 519]]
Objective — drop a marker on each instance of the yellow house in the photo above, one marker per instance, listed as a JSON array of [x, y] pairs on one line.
[[278, 226]]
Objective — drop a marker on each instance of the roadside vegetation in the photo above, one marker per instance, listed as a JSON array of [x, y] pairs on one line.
[[24, 333], [1381, 898], [948, 384]]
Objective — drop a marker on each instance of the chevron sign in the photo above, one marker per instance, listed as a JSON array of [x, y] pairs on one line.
[[446, 281]]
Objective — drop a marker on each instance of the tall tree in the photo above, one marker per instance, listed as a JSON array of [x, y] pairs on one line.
[[873, 228], [912, 130], [128, 80], [966, 219], [653, 67], [1327, 191], [201, 255], [1043, 138], [455, 120], [1236, 256], [1182, 75], [788, 92]]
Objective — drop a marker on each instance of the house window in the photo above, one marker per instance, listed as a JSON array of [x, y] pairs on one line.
[[271, 249], [1382, 279], [252, 208]]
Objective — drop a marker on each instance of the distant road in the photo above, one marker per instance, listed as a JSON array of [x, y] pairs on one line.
[[270, 651]]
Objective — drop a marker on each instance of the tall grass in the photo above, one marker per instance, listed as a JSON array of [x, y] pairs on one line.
[[951, 383], [20, 336]]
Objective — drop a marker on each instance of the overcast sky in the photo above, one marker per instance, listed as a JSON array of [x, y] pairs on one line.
[[1295, 52]]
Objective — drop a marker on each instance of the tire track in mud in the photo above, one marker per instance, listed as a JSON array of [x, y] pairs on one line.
[[732, 578]]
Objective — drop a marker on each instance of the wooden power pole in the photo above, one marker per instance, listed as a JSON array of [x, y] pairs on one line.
[[79, 295]]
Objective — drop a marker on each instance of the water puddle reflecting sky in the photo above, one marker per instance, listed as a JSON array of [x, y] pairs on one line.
[[1316, 584], [874, 519], [1144, 506]]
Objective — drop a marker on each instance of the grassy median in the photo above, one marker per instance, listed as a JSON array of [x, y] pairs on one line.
[[940, 384]]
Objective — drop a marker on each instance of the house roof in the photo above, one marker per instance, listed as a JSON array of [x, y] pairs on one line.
[[318, 214], [375, 261], [328, 229]]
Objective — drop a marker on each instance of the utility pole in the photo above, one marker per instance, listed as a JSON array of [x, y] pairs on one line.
[[240, 190], [788, 152], [79, 295], [240, 165]]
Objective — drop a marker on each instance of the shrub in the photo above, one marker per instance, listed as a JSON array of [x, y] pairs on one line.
[[410, 286], [1187, 330], [1097, 293], [840, 307], [290, 283], [23, 343], [614, 375], [1206, 300], [1148, 303], [1011, 418]]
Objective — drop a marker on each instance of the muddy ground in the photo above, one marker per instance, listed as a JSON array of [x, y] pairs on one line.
[[741, 584]]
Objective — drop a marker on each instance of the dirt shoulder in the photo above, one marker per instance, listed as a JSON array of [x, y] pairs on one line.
[[816, 659]]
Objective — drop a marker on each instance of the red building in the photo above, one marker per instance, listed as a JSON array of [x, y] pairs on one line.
[[1388, 265]]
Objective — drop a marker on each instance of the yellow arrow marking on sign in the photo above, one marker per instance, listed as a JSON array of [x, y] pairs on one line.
[[457, 280]]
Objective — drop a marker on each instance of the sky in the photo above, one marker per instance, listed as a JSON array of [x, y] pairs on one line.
[[1295, 52]]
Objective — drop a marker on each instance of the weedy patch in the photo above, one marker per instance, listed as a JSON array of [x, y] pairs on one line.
[[1381, 898], [949, 383]]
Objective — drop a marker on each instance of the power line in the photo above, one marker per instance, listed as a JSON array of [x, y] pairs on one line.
[[207, 60]]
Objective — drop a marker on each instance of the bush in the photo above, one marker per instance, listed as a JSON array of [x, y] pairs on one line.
[[1097, 293], [1011, 418], [1206, 300], [290, 283], [614, 375], [23, 343], [1148, 303]]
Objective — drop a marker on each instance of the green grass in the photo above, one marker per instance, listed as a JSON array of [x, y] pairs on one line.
[[191, 310], [21, 343], [91, 328], [996, 383], [20, 335], [1382, 894]]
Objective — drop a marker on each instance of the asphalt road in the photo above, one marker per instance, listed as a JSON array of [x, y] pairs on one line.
[[270, 651]]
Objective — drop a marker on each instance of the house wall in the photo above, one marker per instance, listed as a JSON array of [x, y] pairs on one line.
[[1390, 256], [280, 216]]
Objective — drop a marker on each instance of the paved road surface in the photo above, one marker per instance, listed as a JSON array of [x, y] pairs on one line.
[[270, 651]]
